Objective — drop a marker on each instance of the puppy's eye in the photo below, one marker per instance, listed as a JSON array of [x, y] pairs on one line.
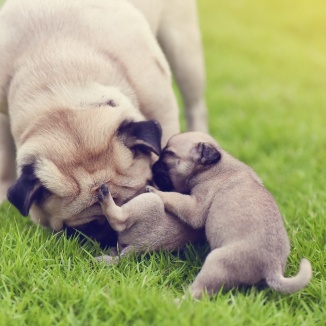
[[169, 153]]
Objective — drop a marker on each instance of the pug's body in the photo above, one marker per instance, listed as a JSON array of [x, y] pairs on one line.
[[77, 80], [242, 222]]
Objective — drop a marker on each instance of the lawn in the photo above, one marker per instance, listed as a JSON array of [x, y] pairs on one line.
[[266, 93]]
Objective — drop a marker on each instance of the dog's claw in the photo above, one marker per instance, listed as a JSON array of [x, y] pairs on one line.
[[149, 189], [103, 192]]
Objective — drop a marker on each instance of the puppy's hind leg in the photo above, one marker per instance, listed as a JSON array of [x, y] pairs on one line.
[[7, 157], [225, 267], [121, 218], [114, 214]]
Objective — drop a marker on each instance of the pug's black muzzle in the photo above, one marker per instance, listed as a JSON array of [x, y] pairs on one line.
[[161, 176]]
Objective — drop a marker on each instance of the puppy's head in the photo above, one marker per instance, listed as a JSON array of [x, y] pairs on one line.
[[185, 155], [68, 154]]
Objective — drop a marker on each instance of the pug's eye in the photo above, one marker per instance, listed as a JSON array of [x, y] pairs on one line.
[[169, 153], [41, 195], [111, 103]]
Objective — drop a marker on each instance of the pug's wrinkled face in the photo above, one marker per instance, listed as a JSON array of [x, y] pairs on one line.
[[69, 154], [185, 155]]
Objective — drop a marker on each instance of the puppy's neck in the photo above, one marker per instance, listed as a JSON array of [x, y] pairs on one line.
[[220, 173], [202, 176]]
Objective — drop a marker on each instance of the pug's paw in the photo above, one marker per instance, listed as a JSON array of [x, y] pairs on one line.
[[103, 192], [109, 260]]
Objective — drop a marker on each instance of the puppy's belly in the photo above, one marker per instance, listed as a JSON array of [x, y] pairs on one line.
[[160, 232]]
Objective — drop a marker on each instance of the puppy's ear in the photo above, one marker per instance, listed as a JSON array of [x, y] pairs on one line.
[[25, 191], [143, 135], [206, 154]]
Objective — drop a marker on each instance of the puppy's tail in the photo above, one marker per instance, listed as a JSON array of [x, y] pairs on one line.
[[292, 284]]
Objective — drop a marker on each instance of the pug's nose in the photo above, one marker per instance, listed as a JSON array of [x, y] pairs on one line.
[[161, 176], [159, 166]]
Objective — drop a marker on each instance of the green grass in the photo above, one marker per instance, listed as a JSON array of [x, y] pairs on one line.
[[266, 92]]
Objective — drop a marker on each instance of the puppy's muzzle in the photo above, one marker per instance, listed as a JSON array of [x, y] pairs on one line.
[[161, 176]]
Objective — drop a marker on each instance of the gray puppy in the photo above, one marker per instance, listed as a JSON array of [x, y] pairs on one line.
[[144, 225], [242, 222]]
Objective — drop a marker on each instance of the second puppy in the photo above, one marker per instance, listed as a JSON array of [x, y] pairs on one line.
[[242, 222], [144, 225]]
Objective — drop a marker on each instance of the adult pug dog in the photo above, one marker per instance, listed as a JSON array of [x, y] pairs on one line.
[[81, 83]]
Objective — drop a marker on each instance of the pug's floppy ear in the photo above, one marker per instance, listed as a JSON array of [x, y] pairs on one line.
[[25, 191], [206, 154], [142, 135]]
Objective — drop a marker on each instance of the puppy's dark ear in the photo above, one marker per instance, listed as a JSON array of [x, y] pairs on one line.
[[207, 154], [25, 191], [143, 135]]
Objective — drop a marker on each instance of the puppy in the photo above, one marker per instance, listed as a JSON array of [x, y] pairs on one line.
[[242, 222], [143, 225], [82, 84]]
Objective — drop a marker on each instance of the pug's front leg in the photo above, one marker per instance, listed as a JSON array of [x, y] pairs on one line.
[[115, 215], [7, 157], [185, 207], [115, 258]]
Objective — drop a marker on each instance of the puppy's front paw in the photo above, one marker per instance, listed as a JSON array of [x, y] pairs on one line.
[[109, 260], [150, 189], [103, 192]]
